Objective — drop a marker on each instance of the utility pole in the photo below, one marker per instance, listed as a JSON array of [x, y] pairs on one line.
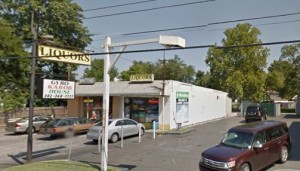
[[163, 91], [69, 71], [32, 81]]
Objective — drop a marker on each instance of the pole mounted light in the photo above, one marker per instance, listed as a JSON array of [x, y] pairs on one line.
[[167, 41]]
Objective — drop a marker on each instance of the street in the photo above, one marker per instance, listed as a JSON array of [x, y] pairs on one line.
[[165, 153]]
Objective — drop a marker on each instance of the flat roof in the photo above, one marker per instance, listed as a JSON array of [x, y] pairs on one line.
[[121, 88]]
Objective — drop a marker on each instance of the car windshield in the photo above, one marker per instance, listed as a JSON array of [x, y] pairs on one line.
[[100, 123], [238, 139], [50, 123]]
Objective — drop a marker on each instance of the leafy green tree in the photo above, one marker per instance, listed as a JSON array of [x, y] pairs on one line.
[[239, 71], [138, 67], [203, 79], [60, 18], [174, 69], [13, 72], [96, 70], [278, 71], [291, 54]]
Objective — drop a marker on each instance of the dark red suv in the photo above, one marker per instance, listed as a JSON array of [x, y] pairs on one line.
[[249, 147]]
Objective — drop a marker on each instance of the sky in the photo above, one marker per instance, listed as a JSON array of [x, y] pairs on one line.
[[272, 29]]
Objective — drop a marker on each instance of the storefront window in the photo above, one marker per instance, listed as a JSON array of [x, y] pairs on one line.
[[144, 110]]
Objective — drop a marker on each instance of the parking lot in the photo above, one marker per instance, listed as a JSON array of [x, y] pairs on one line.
[[166, 152]]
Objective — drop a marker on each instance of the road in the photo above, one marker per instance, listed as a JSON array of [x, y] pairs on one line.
[[165, 153]]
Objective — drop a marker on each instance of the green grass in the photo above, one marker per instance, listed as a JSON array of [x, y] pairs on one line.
[[57, 165]]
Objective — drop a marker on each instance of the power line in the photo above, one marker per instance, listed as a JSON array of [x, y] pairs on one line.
[[148, 9], [170, 49], [120, 5], [211, 24]]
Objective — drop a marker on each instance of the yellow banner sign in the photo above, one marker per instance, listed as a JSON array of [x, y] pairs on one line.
[[142, 78], [63, 55]]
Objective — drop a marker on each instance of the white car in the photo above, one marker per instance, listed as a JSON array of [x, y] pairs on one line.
[[21, 125], [130, 127]]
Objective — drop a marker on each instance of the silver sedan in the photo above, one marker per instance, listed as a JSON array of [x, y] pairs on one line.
[[130, 127], [21, 125]]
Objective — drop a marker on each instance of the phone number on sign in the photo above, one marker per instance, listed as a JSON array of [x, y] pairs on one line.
[[58, 96]]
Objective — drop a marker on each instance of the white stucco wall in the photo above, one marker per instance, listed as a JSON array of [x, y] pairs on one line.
[[204, 104]]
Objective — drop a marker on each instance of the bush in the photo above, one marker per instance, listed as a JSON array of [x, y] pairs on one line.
[[286, 110]]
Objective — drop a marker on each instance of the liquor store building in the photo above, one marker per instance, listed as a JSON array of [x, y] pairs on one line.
[[182, 103]]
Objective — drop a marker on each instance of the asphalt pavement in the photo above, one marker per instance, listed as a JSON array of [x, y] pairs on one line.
[[165, 153]]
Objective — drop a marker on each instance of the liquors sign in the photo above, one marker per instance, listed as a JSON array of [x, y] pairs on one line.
[[63, 55], [58, 89]]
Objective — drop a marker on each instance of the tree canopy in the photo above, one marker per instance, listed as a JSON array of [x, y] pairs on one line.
[[96, 70], [239, 71], [14, 81], [291, 54], [59, 18], [173, 69]]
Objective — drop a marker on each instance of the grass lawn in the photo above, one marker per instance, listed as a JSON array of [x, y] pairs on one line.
[[58, 165]]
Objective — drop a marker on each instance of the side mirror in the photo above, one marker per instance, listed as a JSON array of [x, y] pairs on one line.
[[257, 145]]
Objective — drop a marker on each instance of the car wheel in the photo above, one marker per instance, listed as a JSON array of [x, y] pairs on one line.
[[95, 141], [246, 120], [142, 131], [114, 137], [245, 167], [27, 130], [283, 154]]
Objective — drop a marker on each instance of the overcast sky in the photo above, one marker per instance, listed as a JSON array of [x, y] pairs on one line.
[[272, 29]]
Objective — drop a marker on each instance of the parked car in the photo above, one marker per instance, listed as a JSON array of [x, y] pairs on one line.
[[249, 147], [22, 124], [65, 126], [255, 113], [130, 127]]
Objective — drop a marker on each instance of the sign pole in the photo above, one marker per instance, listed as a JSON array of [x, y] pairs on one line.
[[106, 79]]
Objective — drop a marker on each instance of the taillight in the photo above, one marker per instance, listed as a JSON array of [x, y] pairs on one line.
[[17, 125]]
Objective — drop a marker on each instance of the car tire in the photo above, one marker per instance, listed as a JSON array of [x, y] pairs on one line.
[[284, 153], [245, 167], [142, 131], [95, 141], [114, 138], [246, 120], [27, 130]]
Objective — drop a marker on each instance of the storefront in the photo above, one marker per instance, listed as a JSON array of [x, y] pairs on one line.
[[182, 104]]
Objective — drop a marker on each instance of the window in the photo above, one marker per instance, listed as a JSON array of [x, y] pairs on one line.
[[260, 138], [120, 123], [274, 133], [130, 122]]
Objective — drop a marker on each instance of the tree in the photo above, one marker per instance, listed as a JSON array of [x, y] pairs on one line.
[[203, 79], [174, 69], [291, 54], [60, 18], [96, 70], [239, 71], [13, 73], [278, 72], [138, 67]]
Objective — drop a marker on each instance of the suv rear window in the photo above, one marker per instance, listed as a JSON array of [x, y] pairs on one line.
[[252, 109]]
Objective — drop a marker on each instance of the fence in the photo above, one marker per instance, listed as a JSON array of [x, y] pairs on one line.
[[56, 111]]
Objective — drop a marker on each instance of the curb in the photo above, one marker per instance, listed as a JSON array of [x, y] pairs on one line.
[[176, 132]]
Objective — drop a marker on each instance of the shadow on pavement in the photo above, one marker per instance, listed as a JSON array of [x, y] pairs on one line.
[[294, 133], [19, 158], [292, 116]]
